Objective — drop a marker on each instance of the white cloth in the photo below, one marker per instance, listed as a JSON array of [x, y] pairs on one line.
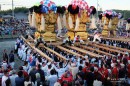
[[93, 23], [52, 80], [97, 36], [4, 78], [12, 79], [97, 83], [27, 83]]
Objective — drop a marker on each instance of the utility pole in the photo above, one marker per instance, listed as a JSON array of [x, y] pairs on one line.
[[0, 7], [13, 8], [97, 8]]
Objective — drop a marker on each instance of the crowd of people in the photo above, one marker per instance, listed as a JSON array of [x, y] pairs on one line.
[[76, 71], [13, 27]]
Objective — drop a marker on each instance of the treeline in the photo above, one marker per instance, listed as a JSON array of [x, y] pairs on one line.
[[16, 10], [126, 13]]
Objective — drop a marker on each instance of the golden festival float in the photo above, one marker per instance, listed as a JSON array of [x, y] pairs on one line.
[[109, 20], [46, 17], [78, 16]]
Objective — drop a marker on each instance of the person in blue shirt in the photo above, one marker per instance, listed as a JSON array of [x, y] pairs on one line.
[[19, 80]]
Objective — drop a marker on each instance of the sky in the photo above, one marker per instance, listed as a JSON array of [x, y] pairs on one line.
[[104, 4]]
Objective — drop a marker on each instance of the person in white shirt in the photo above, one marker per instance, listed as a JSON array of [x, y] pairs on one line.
[[52, 78], [25, 66], [20, 52], [4, 78], [4, 64], [12, 77], [78, 39], [97, 36], [97, 82], [60, 70], [44, 68], [74, 69]]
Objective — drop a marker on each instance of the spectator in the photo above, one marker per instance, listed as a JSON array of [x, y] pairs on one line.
[[4, 78], [27, 82], [41, 72], [11, 59], [12, 78], [52, 78], [4, 64], [32, 74], [5, 55], [19, 80]]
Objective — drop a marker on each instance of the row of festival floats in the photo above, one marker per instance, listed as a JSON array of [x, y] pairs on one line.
[[47, 17]]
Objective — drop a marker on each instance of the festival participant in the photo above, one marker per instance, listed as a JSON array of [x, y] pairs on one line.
[[97, 36], [52, 78], [41, 72], [115, 71], [27, 82], [24, 53], [67, 77], [12, 78], [61, 70], [40, 40], [25, 74], [90, 77], [4, 78], [74, 69], [105, 72], [19, 80], [78, 39], [11, 59], [20, 52], [67, 41], [4, 64]]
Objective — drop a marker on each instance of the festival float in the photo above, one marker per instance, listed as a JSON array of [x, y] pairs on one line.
[[44, 19], [109, 19], [78, 16]]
